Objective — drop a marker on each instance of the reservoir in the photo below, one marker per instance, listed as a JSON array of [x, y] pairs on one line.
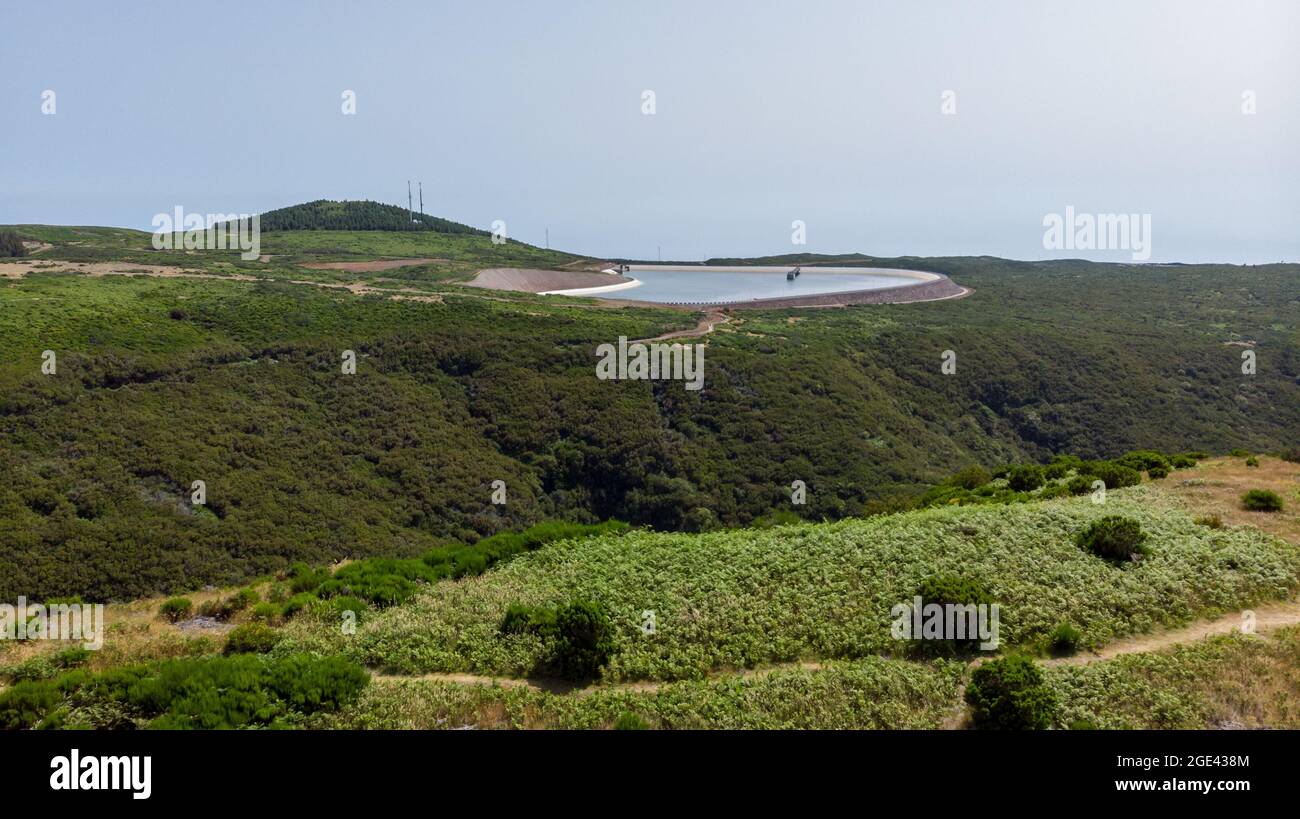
[[697, 284]]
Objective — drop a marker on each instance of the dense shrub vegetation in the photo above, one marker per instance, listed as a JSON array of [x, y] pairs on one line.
[[243, 391], [384, 581], [1065, 475], [176, 608], [11, 244], [1009, 694], [251, 638], [1261, 500], [579, 634], [1024, 477], [954, 590], [864, 694], [746, 598], [324, 214], [1065, 639], [1114, 538], [212, 692]]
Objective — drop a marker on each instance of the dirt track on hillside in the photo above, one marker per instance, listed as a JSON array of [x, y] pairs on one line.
[[704, 327]]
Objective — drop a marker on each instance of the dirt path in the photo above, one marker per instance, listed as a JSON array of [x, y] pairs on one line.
[[1268, 617], [704, 327], [562, 687]]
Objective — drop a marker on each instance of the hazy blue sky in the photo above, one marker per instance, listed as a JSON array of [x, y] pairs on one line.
[[530, 112]]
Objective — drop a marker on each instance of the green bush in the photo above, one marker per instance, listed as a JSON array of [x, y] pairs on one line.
[[520, 619], [25, 704], [1065, 639], [353, 604], [266, 612], [1252, 461], [630, 721], [296, 604], [308, 684], [1080, 484], [972, 477], [1025, 477], [1156, 473], [1115, 476], [1143, 460], [1184, 461], [11, 244], [1009, 694], [1055, 471], [585, 639], [251, 638], [177, 608], [1114, 538], [954, 589], [384, 581], [303, 578], [45, 666], [1239, 453], [580, 634], [71, 657], [242, 690], [460, 560], [1261, 500], [245, 597]]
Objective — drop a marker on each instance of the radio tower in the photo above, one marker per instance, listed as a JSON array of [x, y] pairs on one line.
[[421, 198], [408, 204]]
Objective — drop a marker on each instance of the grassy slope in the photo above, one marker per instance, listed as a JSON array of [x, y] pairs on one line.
[[755, 597], [1237, 680], [867, 694], [460, 255], [749, 598]]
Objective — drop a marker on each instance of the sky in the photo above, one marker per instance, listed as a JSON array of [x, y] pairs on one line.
[[888, 128]]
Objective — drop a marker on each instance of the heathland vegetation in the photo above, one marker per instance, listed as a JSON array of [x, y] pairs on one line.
[[324, 214], [348, 562], [165, 381]]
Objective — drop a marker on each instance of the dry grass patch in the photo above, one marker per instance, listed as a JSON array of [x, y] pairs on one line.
[[1215, 487]]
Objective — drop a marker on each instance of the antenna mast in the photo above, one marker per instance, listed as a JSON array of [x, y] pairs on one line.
[[408, 204], [421, 198]]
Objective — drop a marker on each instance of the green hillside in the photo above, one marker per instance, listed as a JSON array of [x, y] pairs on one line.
[[163, 381], [326, 214], [745, 598]]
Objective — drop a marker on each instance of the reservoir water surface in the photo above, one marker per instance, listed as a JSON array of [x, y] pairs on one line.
[[687, 284]]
